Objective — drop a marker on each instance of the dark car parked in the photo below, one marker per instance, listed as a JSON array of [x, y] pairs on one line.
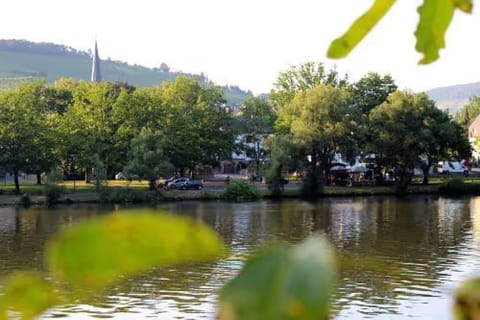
[[176, 183], [191, 184]]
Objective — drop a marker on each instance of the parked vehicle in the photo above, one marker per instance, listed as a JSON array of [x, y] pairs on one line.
[[192, 185], [448, 167], [126, 176], [176, 183]]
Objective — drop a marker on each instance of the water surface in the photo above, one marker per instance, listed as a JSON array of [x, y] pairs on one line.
[[402, 258]]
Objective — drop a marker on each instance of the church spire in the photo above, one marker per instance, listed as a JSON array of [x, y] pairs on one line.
[[96, 74]]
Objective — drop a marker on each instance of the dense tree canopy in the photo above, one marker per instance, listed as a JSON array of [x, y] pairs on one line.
[[26, 141], [371, 91], [468, 113], [257, 122], [302, 78], [322, 122], [409, 129]]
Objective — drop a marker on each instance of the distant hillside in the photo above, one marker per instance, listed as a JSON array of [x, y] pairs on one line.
[[453, 98], [20, 59]]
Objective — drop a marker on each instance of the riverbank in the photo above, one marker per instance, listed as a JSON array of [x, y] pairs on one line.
[[138, 193]]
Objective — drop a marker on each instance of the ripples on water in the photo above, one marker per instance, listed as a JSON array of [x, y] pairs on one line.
[[399, 257]]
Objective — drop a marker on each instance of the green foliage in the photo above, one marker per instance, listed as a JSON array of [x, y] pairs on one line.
[[197, 125], [147, 158], [468, 113], [95, 253], [25, 138], [282, 283], [342, 46], [24, 200], [322, 122], [371, 91], [28, 294], [300, 79], [122, 195], [456, 186], [407, 129], [258, 118], [467, 300], [435, 17], [52, 193], [240, 190]]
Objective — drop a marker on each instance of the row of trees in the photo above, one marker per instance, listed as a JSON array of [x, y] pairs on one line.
[[103, 128], [312, 115], [321, 115]]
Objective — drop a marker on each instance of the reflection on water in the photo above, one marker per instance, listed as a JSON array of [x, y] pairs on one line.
[[399, 257]]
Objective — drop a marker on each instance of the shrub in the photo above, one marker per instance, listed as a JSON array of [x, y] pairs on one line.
[[458, 186], [24, 200], [240, 190], [52, 193], [120, 195]]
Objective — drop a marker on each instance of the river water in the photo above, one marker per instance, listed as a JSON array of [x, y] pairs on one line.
[[402, 258]]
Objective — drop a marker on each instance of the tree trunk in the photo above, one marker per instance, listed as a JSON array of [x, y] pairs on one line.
[[425, 176], [404, 179], [17, 183], [152, 184], [39, 177], [87, 176]]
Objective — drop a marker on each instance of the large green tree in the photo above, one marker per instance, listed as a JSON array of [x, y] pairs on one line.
[[26, 140], [88, 129], [258, 119], [197, 124], [372, 90], [408, 130], [322, 122], [302, 78], [146, 157]]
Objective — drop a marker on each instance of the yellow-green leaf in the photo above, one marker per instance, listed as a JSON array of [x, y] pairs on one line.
[[282, 283], [435, 17], [94, 253], [342, 46], [464, 5], [28, 294], [467, 301]]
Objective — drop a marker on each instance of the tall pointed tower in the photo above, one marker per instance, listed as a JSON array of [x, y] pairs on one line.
[[96, 74]]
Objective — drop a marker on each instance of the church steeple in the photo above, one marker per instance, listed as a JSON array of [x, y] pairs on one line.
[[96, 74]]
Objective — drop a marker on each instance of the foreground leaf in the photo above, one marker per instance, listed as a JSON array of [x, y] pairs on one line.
[[94, 253], [28, 294], [435, 17], [467, 301], [464, 5], [342, 46], [282, 283]]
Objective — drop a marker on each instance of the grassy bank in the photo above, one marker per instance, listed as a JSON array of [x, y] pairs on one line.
[[137, 191]]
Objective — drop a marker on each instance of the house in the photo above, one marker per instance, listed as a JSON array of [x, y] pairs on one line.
[[473, 134]]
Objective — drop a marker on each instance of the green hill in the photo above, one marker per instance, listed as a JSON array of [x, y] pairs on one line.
[[21, 59]]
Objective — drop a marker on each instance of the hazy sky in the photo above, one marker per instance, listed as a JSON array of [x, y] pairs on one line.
[[246, 43]]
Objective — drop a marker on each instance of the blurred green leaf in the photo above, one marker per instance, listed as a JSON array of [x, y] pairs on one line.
[[282, 283], [94, 253], [342, 46], [464, 5], [435, 17], [467, 301], [28, 294]]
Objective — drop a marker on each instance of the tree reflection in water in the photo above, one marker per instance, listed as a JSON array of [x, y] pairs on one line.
[[391, 251]]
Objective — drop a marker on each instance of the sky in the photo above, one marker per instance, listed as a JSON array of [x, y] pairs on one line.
[[247, 43]]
